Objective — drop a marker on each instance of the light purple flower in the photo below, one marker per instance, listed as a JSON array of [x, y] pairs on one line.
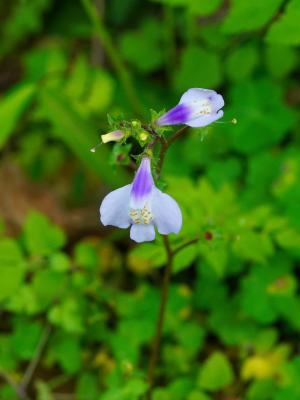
[[143, 206], [196, 108], [113, 136]]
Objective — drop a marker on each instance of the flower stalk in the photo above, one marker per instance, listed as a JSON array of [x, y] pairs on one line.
[[154, 356], [142, 206]]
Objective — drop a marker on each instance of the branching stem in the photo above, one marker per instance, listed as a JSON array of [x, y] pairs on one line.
[[155, 351], [20, 392], [186, 244], [21, 388], [36, 358]]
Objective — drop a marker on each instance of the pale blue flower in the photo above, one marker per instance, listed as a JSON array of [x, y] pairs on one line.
[[143, 206], [196, 108]]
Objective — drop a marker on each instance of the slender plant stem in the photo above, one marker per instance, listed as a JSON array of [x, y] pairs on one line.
[[186, 244], [21, 388], [165, 146], [36, 358], [162, 309], [113, 54], [97, 51], [20, 392], [155, 351]]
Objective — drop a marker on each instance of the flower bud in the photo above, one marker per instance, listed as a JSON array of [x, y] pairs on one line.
[[135, 123], [114, 136], [143, 136]]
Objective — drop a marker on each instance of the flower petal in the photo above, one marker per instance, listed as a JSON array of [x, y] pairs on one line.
[[142, 233], [142, 184], [113, 136], [166, 212], [114, 209], [195, 95], [217, 101], [205, 120], [177, 115]]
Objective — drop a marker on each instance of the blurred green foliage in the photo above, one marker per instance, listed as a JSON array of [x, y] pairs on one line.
[[86, 295]]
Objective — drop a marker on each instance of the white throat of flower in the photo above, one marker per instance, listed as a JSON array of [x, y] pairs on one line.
[[141, 215], [201, 107]]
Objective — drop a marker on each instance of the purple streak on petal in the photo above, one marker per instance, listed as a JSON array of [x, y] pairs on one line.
[[177, 115], [166, 212], [142, 233], [143, 181], [114, 209], [205, 120]]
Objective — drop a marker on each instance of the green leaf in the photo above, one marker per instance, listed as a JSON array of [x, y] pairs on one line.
[[66, 349], [209, 292], [216, 255], [288, 238], [195, 7], [87, 386], [84, 85], [8, 359], [43, 391], [253, 246], [238, 20], [290, 393], [86, 255], [48, 59], [185, 258], [48, 286], [12, 107], [41, 236], [263, 169], [193, 60], [25, 18], [25, 338], [191, 337], [265, 340], [133, 389], [223, 171], [12, 268], [68, 315], [172, 3], [285, 30], [241, 63], [203, 7], [291, 377], [24, 301], [280, 60], [216, 372], [261, 390], [146, 255], [143, 48], [59, 262], [102, 83], [196, 395], [254, 103], [79, 136], [275, 288]]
